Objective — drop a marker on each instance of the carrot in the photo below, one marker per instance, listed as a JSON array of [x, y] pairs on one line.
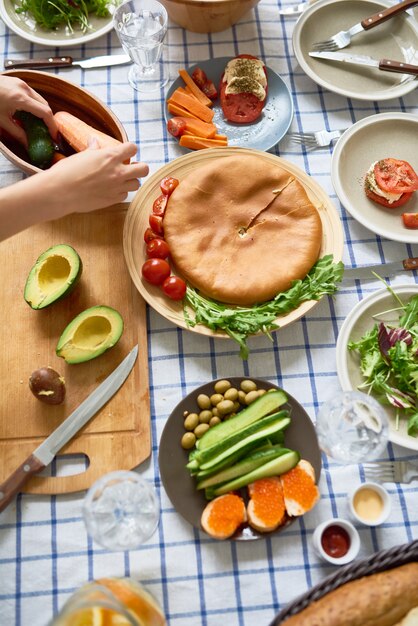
[[58, 156], [220, 137], [179, 111], [192, 104], [203, 99], [199, 128], [79, 134], [198, 143]]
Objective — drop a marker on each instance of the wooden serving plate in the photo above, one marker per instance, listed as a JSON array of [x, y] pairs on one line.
[[140, 208]]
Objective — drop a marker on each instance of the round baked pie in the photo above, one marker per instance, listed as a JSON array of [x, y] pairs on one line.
[[241, 229]]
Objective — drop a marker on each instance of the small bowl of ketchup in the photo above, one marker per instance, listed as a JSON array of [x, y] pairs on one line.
[[336, 541]]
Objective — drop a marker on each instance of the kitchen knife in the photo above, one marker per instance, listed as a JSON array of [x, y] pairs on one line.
[[44, 454], [383, 269], [50, 62], [359, 59]]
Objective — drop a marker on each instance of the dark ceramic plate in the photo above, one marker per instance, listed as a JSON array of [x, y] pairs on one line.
[[180, 486]]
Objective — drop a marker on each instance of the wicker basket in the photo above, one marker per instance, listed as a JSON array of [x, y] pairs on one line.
[[378, 562]]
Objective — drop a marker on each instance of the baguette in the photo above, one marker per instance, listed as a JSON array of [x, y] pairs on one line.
[[377, 600]]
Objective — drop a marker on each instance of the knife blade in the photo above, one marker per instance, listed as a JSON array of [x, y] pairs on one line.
[[383, 269], [386, 65], [67, 61], [46, 451]]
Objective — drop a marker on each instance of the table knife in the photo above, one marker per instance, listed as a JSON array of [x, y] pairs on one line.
[[360, 59], [66, 61], [382, 269], [44, 453]]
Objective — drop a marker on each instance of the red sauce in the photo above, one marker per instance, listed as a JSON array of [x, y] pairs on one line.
[[335, 541]]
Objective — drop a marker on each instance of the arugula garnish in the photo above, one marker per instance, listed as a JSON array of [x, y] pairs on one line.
[[240, 322], [389, 361], [51, 14]]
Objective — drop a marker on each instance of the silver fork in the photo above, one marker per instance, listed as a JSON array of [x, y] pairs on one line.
[[316, 139], [343, 38], [391, 471]]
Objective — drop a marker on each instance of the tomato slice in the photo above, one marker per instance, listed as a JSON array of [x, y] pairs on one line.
[[159, 206], [149, 235], [156, 223], [210, 90], [168, 185], [242, 108], [199, 77], [174, 287], [395, 176], [390, 205], [410, 220]]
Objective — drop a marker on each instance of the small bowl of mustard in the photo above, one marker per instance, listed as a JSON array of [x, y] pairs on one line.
[[370, 504]]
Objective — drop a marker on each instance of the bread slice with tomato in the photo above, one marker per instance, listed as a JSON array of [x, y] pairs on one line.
[[243, 89], [390, 182]]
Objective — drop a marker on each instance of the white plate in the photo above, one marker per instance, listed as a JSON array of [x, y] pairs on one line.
[[25, 27], [397, 38], [358, 321], [373, 138]]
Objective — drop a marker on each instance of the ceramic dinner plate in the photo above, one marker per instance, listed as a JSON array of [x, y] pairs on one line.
[[137, 222], [26, 27], [397, 39], [172, 458], [264, 133], [358, 322], [371, 139]]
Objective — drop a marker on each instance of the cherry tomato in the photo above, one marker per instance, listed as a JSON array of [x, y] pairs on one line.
[[174, 287], [156, 223], [149, 235], [158, 249], [155, 271], [176, 126], [168, 185], [390, 205], [199, 77], [410, 220], [210, 90], [159, 206], [395, 176]]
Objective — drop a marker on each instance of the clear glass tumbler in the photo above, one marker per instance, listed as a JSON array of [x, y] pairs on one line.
[[141, 26], [121, 510], [111, 602], [352, 427]]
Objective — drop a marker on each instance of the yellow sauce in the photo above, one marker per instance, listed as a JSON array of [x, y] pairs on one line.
[[368, 504]]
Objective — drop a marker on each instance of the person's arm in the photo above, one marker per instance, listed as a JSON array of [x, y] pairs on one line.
[[89, 180]]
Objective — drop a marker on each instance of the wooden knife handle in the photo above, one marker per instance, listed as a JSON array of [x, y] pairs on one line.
[[386, 14], [398, 66], [13, 484], [410, 264], [10, 64]]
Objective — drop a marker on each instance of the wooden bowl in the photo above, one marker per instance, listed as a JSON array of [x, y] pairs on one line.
[[62, 95], [207, 16]]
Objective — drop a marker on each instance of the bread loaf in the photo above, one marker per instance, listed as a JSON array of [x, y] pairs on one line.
[[377, 600]]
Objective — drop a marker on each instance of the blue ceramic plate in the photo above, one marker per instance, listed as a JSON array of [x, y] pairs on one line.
[[262, 134]]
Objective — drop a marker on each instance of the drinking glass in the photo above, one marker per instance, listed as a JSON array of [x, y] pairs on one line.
[[352, 427], [121, 601], [121, 510], [141, 26]]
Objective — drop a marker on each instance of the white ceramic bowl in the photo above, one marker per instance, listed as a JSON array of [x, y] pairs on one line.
[[385, 500], [352, 533]]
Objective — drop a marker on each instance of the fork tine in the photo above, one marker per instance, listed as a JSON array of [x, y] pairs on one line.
[[325, 46]]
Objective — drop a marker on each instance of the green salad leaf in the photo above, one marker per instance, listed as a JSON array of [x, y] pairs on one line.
[[389, 361], [240, 322], [51, 14]]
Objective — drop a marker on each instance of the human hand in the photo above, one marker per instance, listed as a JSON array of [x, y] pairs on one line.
[[92, 179], [16, 95]]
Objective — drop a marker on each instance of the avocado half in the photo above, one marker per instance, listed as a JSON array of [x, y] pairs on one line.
[[54, 275], [91, 333]]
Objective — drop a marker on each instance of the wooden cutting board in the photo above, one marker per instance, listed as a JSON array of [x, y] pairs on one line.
[[118, 437]]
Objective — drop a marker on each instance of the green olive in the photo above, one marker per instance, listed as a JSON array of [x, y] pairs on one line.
[[241, 396], [200, 430], [248, 385], [215, 412], [251, 396], [221, 386], [188, 440], [261, 392], [205, 416], [215, 420], [216, 398], [191, 421], [203, 401], [231, 394], [225, 407], [237, 407]]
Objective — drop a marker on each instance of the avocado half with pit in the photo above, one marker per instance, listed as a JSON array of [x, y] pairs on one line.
[[54, 275], [91, 333]]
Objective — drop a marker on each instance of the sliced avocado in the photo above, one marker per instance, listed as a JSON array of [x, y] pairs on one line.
[[54, 275], [91, 333]]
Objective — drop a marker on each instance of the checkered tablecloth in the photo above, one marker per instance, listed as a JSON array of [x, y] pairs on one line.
[[45, 553]]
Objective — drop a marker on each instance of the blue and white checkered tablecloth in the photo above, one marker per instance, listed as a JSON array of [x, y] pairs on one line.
[[45, 553]]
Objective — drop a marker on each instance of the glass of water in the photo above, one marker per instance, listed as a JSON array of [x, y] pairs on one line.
[[121, 510], [352, 427], [141, 26]]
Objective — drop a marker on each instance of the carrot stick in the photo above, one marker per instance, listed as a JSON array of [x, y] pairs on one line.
[[198, 143], [180, 111], [78, 134], [220, 137], [199, 128], [192, 104], [203, 99]]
